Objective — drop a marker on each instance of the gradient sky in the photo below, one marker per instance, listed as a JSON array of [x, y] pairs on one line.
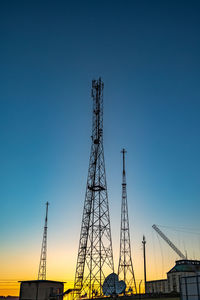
[[147, 53]]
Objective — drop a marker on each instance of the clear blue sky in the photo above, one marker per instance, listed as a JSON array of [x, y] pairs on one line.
[[147, 53]]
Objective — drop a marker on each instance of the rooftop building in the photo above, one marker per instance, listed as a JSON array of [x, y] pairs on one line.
[[182, 268], [41, 290]]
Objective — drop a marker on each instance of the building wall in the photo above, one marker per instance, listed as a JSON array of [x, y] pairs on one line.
[[190, 287], [40, 290], [183, 268], [174, 280], [171, 284], [157, 286]]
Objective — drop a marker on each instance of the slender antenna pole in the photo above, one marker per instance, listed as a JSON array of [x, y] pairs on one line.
[[43, 256], [144, 254]]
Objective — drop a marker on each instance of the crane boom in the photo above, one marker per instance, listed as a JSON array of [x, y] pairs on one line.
[[169, 242]]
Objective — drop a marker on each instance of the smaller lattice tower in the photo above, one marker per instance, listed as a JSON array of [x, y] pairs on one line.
[[125, 268], [43, 256]]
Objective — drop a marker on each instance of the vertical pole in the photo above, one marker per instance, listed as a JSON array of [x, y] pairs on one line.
[[186, 289], [144, 254], [123, 151], [46, 219], [180, 288], [197, 278], [140, 289], [124, 225], [37, 288]]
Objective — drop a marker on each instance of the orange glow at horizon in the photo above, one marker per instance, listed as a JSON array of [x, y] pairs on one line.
[[57, 270], [22, 264]]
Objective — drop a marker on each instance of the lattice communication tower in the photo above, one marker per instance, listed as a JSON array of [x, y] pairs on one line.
[[95, 255], [43, 256], [125, 268]]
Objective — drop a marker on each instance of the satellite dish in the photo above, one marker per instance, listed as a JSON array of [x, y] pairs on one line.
[[121, 287], [112, 285]]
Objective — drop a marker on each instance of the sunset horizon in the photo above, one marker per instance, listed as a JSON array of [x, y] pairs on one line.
[[81, 82]]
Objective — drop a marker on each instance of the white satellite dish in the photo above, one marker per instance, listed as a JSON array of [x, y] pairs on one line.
[[112, 285]]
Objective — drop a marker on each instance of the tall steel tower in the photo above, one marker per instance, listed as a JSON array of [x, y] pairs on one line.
[[125, 268], [43, 256], [95, 255]]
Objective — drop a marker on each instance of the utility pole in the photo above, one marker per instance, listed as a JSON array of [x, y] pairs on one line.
[[43, 256], [95, 254], [144, 254], [125, 268]]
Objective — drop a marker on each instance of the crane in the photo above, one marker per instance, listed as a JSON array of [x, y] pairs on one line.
[[169, 242]]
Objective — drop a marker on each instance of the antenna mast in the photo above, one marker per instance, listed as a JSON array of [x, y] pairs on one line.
[[95, 255], [125, 268], [43, 256], [144, 254]]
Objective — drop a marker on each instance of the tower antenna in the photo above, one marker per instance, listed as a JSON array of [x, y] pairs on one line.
[[43, 256], [125, 268], [95, 255]]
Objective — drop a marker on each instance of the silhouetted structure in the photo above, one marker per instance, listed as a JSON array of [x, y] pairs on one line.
[[43, 256], [95, 255], [125, 268], [165, 238], [41, 290], [144, 255], [182, 268]]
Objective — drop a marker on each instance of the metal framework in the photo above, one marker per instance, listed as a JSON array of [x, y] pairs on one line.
[[95, 255], [43, 256], [125, 268], [169, 242]]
